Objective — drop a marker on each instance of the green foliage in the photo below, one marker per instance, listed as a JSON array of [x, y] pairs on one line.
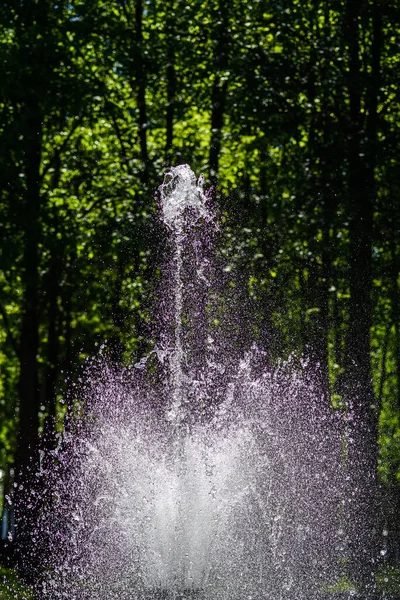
[[11, 588], [388, 580], [342, 585]]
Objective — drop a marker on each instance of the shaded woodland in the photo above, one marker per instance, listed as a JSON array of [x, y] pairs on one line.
[[290, 109]]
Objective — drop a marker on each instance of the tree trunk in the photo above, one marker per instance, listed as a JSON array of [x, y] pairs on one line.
[[218, 96], [219, 89], [141, 89], [395, 302], [171, 82], [52, 363], [116, 344], [28, 385], [363, 425]]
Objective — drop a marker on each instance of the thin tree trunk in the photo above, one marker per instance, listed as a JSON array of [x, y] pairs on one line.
[[29, 338], [171, 82], [363, 427], [28, 384], [134, 19], [141, 89], [116, 345], [52, 366], [319, 271], [360, 207], [219, 89], [32, 16], [68, 353], [218, 97], [395, 303]]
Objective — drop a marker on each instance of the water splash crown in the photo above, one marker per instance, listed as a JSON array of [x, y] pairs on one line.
[[179, 191]]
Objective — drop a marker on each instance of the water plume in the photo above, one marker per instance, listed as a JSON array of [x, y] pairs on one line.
[[222, 482]]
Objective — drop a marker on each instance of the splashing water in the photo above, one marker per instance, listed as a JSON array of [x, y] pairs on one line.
[[180, 192], [241, 503]]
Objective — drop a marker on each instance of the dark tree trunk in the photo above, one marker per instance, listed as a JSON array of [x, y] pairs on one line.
[[219, 88], [52, 363], [140, 75], [68, 357], [317, 338], [28, 385], [171, 82], [363, 426], [218, 96], [29, 340], [360, 211], [320, 268], [263, 184], [33, 75], [116, 345], [395, 303]]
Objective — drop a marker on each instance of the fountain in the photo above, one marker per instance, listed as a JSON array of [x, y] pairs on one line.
[[214, 477]]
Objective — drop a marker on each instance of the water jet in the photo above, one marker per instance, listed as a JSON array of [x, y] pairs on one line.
[[221, 483]]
